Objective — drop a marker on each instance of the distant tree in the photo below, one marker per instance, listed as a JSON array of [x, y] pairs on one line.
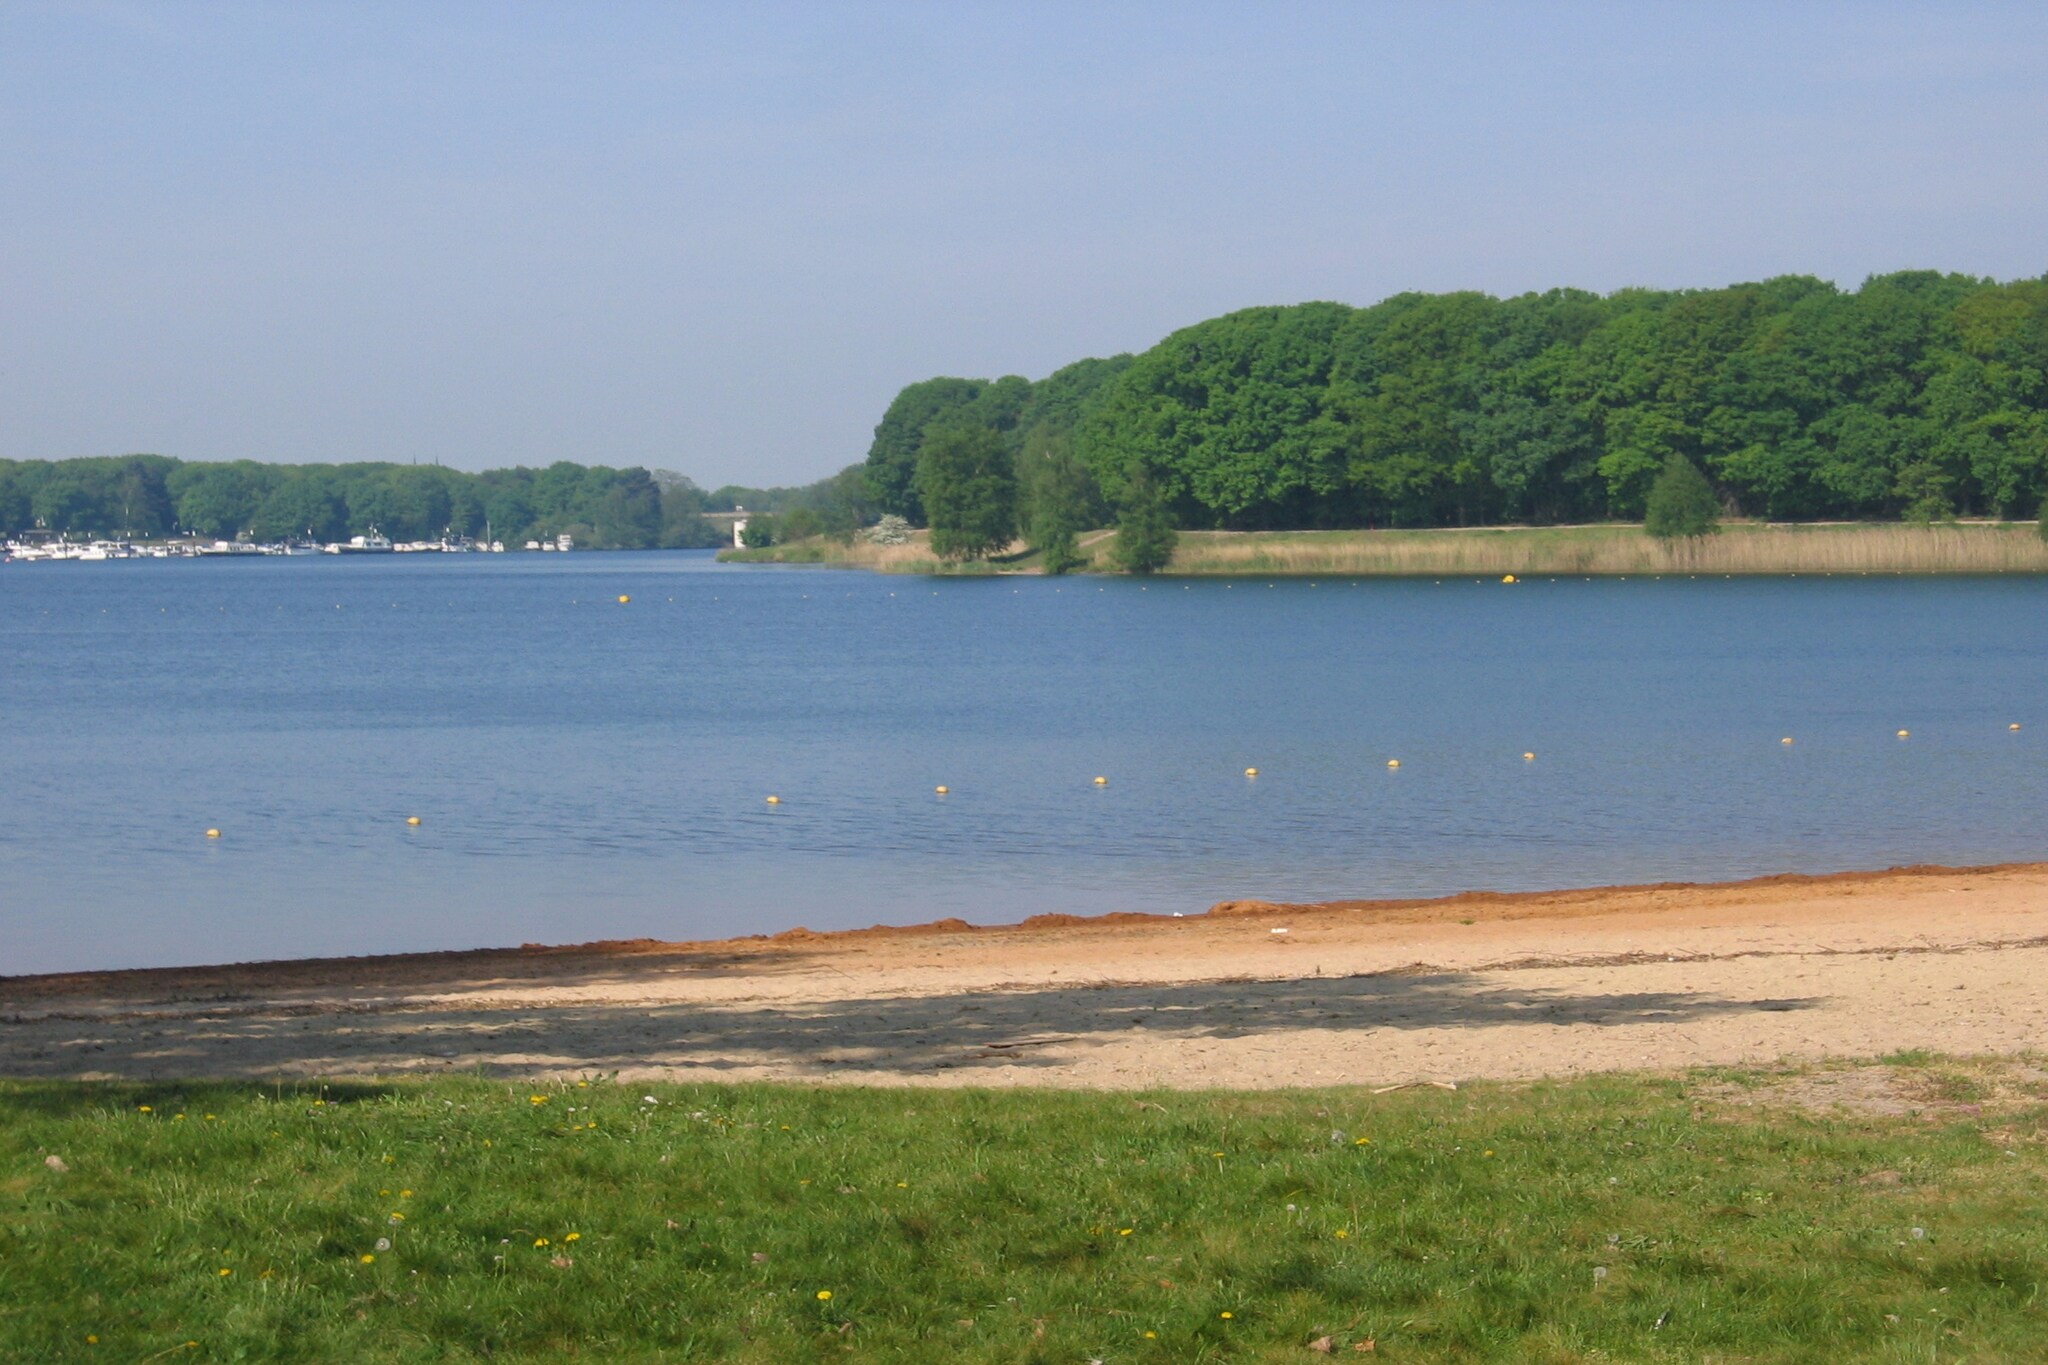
[[68, 501], [1145, 537], [139, 488], [1681, 503], [891, 468], [889, 530], [628, 516], [800, 523], [1924, 487], [969, 491], [1059, 496], [14, 504], [683, 526], [218, 499], [761, 531], [306, 506]]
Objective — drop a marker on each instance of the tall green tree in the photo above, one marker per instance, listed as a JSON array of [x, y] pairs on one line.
[[1059, 496], [1681, 503], [899, 440], [309, 505], [14, 501], [968, 487], [1145, 538]]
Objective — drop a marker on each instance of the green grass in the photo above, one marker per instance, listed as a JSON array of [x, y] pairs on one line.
[[1545, 1223]]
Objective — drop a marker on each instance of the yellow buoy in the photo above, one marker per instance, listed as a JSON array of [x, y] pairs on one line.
[[1509, 578], [774, 800], [623, 599], [1529, 757], [1393, 763], [1102, 782], [1905, 734], [1251, 772], [941, 790], [213, 834], [412, 819]]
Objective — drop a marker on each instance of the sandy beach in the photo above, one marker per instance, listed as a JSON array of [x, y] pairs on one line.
[[1251, 994]]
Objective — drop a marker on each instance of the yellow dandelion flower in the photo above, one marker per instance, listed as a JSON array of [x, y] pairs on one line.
[[226, 1270], [536, 1099], [540, 1241], [397, 1217], [319, 1104], [903, 1184], [1216, 1154], [1363, 1142], [91, 1340], [583, 1085], [145, 1109], [824, 1296], [366, 1258], [209, 1118], [405, 1194], [1226, 1314], [1342, 1234], [1487, 1152], [1125, 1232], [573, 1237], [1151, 1336], [382, 1193]]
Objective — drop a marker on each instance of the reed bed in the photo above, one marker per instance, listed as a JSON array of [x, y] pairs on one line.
[[1846, 548], [1741, 549]]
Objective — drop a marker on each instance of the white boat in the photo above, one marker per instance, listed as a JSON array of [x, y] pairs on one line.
[[371, 544]]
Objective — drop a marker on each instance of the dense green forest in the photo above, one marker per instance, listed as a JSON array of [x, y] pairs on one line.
[[153, 495], [623, 509], [1919, 395]]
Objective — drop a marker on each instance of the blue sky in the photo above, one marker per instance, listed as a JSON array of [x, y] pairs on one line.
[[718, 238]]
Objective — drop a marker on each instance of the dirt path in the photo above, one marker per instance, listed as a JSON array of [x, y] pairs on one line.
[[1249, 995]]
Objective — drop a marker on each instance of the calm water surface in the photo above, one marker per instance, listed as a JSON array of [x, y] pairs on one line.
[[588, 770]]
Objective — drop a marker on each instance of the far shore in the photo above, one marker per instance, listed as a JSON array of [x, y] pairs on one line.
[[1738, 548], [1250, 994]]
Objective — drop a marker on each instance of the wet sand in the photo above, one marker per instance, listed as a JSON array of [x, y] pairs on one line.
[[1251, 994]]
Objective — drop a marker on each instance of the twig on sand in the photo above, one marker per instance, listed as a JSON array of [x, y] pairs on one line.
[[1028, 1042], [1411, 1085]]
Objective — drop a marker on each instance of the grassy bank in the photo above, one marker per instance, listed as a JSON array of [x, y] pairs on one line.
[[1717, 1216], [1739, 548]]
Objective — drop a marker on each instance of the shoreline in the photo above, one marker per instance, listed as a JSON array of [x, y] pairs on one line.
[[1739, 549], [1250, 995], [29, 985]]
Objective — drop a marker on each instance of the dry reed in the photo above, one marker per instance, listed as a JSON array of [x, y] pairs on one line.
[[1738, 549]]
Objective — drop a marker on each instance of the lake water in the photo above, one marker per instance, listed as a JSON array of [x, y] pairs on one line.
[[584, 770]]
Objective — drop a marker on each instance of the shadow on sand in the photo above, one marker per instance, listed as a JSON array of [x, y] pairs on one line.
[[1041, 1029]]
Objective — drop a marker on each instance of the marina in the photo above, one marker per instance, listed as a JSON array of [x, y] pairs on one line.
[[39, 550]]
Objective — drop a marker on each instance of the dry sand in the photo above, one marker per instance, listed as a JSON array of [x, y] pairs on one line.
[[1251, 994]]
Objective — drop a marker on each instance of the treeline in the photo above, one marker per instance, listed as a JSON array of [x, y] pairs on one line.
[[154, 495], [1920, 395]]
